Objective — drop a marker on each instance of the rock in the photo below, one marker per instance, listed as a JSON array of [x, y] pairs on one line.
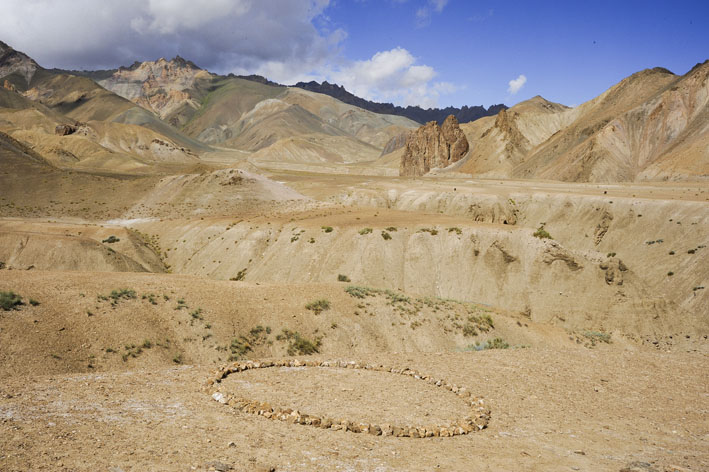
[[219, 466], [432, 146], [219, 397], [64, 130]]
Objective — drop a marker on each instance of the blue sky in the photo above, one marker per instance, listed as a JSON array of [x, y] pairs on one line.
[[424, 52], [569, 51]]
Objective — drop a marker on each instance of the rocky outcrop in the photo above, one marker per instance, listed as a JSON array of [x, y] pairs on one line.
[[12, 61], [64, 130], [160, 86], [433, 146]]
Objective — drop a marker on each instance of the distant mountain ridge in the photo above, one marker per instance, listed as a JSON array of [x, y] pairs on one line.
[[464, 114]]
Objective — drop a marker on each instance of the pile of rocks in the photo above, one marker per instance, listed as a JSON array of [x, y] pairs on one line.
[[476, 421]]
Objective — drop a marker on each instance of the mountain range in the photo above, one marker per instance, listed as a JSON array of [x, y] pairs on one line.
[[653, 125]]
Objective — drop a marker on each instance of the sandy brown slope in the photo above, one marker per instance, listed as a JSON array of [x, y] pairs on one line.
[[199, 319], [498, 144], [650, 126], [626, 129], [96, 144]]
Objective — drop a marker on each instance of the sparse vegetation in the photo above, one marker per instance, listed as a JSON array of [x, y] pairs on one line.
[[495, 343], [34, 302], [117, 295], [364, 231], [455, 230], [360, 292], [10, 301], [431, 231], [242, 345], [298, 345], [150, 297], [318, 306], [542, 233], [240, 275], [596, 337], [391, 229]]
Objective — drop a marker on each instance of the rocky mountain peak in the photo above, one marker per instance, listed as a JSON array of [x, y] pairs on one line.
[[12, 61], [432, 146]]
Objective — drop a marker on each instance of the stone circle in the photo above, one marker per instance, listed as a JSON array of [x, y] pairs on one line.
[[476, 421]]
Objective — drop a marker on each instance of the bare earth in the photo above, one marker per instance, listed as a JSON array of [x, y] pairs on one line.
[[552, 410]]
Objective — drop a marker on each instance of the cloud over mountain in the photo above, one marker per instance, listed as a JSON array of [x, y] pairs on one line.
[[284, 40], [222, 35]]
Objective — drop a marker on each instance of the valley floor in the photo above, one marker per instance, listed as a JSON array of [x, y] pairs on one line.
[[552, 410], [136, 289]]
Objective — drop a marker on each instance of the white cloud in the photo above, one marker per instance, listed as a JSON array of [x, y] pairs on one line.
[[278, 39], [438, 5], [516, 84], [423, 14], [221, 35], [392, 76]]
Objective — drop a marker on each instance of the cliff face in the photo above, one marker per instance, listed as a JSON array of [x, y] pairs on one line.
[[432, 146]]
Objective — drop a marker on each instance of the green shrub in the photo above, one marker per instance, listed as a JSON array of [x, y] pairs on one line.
[[391, 229], [343, 278], [242, 345], [327, 229], [457, 230], [10, 301], [360, 292], [297, 344], [240, 275], [110, 240], [364, 231], [597, 336], [541, 233], [670, 274], [318, 306], [33, 302], [469, 329], [386, 236], [431, 231], [496, 343], [123, 293]]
